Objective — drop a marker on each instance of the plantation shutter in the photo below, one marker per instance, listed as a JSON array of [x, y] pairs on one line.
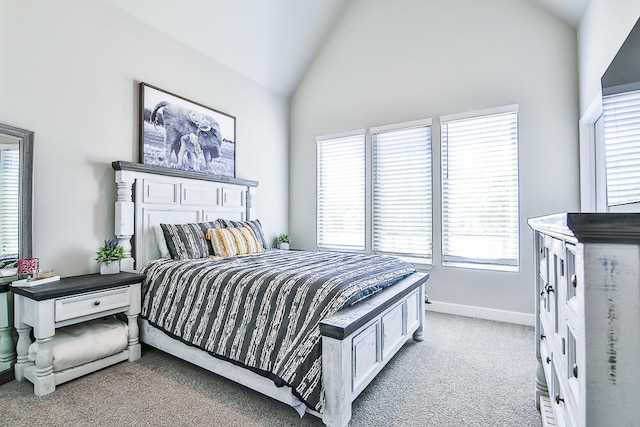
[[480, 189], [402, 192], [341, 192], [9, 201], [621, 114]]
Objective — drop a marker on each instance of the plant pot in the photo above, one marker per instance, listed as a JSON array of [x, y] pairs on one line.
[[283, 246], [111, 268]]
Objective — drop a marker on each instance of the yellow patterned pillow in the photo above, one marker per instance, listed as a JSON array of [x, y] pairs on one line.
[[233, 241]]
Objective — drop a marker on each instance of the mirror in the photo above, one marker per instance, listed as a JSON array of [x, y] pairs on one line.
[[16, 178], [616, 133], [623, 74]]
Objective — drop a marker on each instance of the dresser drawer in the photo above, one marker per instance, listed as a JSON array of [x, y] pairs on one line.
[[92, 303]]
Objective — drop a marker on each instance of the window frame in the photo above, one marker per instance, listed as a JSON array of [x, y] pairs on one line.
[[593, 185], [419, 262], [600, 147], [477, 263], [319, 139], [425, 262]]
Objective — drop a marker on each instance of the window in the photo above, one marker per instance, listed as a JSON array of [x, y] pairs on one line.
[[402, 190], [377, 197], [341, 192], [480, 189], [9, 200], [621, 125]]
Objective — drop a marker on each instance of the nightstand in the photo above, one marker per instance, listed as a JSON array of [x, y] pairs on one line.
[[69, 301]]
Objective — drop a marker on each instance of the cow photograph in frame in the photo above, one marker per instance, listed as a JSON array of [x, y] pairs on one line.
[[181, 134]]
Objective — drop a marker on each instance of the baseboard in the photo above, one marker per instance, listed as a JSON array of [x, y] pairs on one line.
[[482, 313]]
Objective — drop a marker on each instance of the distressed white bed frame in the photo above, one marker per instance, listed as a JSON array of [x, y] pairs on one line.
[[357, 342]]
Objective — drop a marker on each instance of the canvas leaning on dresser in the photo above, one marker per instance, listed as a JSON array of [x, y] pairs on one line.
[[588, 319]]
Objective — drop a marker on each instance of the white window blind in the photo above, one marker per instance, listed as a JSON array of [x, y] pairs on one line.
[[9, 201], [621, 114], [341, 192], [402, 192], [480, 189]]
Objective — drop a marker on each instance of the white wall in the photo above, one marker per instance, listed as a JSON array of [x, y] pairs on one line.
[[602, 30], [70, 73], [390, 62]]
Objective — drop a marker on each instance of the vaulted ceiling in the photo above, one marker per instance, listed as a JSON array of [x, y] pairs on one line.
[[271, 42]]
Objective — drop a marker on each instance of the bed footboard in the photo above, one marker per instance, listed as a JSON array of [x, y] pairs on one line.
[[359, 341]]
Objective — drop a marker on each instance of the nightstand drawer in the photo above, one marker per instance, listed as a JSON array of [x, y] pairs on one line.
[[95, 302]]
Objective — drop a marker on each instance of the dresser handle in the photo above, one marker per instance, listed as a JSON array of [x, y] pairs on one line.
[[542, 336], [575, 370], [574, 280], [549, 289], [558, 399], [96, 302], [548, 360]]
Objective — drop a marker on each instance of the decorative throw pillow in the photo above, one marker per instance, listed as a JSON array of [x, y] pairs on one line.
[[185, 241], [234, 241], [161, 241], [253, 224], [204, 226]]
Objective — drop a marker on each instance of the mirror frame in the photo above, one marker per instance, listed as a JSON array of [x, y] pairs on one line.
[[25, 230], [26, 187]]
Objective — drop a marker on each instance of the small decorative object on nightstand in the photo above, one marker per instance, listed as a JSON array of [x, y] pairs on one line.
[[70, 301], [283, 241], [109, 257]]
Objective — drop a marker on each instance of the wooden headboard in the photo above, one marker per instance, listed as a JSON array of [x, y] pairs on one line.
[[150, 195]]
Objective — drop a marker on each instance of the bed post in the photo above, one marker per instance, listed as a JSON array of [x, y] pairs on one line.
[[124, 217], [336, 375], [418, 335]]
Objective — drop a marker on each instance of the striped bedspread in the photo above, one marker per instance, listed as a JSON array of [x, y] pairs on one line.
[[262, 311]]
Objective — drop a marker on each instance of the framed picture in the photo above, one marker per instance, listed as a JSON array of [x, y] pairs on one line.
[[182, 134]]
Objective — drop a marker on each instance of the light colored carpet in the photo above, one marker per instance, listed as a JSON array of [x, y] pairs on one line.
[[467, 372]]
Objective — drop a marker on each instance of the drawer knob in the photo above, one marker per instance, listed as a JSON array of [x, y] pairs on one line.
[[574, 280], [559, 399], [575, 370], [542, 336], [548, 360], [96, 302]]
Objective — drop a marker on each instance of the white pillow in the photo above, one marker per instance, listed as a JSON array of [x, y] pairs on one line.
[[162, 243]]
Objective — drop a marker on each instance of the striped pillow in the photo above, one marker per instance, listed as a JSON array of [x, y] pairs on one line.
[[187, 241], [234, 241], [253, 224]]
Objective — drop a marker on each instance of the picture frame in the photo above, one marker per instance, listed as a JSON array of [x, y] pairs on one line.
[[178, 133]]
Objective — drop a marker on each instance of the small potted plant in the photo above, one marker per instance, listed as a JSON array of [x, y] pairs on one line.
[[283, 241], [109, 257]]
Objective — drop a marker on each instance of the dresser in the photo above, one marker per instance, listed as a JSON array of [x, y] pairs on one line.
[[43, 309], [587, 302]]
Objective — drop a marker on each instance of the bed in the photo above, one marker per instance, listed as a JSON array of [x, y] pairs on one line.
[[339, 348]]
